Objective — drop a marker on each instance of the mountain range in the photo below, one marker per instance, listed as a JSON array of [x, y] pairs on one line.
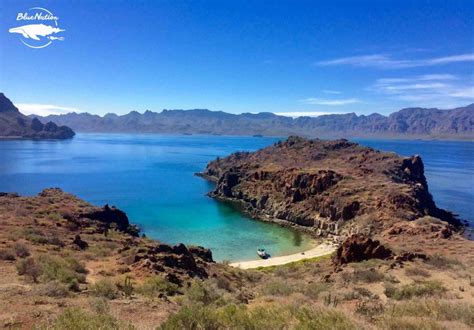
[[14, 124], [456, 123]]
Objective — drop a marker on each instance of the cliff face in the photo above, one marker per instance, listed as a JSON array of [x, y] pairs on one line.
[[327, 187], [14, 124], [410, 122]]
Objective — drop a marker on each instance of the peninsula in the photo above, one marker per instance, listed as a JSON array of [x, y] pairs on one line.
[[13, 124]]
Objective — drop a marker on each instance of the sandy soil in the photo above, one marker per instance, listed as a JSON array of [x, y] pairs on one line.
[[318, 251]]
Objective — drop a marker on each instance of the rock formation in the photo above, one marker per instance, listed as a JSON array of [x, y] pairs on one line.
[[14, 124], [359, 248], [326, 187]]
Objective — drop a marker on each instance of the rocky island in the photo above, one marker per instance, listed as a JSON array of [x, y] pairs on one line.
[[13, 124], [328, 188]]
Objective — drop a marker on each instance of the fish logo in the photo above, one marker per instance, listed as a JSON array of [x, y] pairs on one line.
[[39, 34]]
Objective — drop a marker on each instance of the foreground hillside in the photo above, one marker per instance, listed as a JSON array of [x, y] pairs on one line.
[[407, 123], [65, 264], [14, 124]]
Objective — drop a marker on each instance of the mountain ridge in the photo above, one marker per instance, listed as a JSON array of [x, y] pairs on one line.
[[14, 124], [408, 122]]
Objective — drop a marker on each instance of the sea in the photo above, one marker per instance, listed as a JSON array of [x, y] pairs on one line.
[[151, 177]]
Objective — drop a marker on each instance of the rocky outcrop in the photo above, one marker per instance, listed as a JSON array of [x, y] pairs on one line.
[[88, 229], [16, 125], [329, 188], [111, 216], [177, 262], [358, 248], [81, 244]]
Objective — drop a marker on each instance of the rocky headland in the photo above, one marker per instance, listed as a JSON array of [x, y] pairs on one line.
[[330, 188], [13, 124]]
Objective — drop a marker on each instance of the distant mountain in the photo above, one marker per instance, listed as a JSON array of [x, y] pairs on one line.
[[410, 122], [14, 124]]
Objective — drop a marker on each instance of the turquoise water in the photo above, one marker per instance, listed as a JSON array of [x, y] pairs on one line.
[[151, 178]]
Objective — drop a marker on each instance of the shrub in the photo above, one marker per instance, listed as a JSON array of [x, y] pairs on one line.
[[367, 276], [36, 236], [426, 289], [416, 271], [105, 288], [329, 318], [21, 250], [75, 318], [30, 268], [7, 254], [66, 270], [53, 289], [100, 305], [442, 262], [405, 323], [224, 283], [313, 290], [277, 288], [201, 292], [268, 317], [155, 286], [436, 309]]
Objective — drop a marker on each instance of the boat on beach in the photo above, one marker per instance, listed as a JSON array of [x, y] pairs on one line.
[[262, 253]]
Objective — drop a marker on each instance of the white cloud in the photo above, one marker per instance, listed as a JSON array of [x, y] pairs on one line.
[[438, 90], [426, 77], [43, 109], [305, 113], [329, 91], [330, 102], [387, 62]]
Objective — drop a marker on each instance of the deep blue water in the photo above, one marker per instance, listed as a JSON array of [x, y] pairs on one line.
[[151, 178], [449, 169]]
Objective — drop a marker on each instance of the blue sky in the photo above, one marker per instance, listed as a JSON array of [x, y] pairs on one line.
[[299, 57]]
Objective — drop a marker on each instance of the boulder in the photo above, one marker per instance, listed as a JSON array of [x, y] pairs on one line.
[[358, 248]]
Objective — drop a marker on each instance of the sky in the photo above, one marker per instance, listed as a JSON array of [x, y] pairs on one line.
[[287, 57]]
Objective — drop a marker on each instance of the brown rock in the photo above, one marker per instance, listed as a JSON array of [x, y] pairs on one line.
[[359, 248]]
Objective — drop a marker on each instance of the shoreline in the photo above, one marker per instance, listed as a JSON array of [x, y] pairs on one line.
[[318, 251]]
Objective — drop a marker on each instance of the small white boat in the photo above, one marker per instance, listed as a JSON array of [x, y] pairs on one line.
[[262, 253]]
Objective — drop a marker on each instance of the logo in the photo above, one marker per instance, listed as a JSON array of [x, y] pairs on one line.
[[41, 30]]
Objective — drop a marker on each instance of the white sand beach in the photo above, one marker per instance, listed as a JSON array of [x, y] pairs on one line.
[[318, 251]]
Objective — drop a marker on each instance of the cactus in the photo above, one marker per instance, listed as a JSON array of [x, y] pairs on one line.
[[128, 287]]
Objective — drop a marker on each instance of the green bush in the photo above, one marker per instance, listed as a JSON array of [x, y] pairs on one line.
[[277, 288], [367, 276], [201, 292], [268, 317], [408, 291], [155, 286], [416, 271], [435, 309], [36, 236], [65, 270], [104, 288], [30, 268], [442, 262], [313, 290], [77, 319], [51, 268], [53, 289]]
